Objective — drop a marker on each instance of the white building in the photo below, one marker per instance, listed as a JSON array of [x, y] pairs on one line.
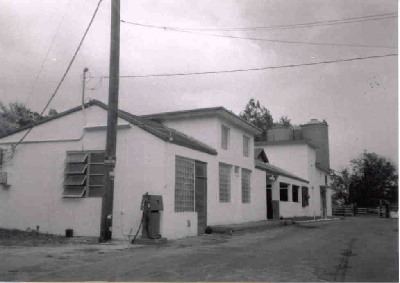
[[304, 151], [201, 162], [54, 178]]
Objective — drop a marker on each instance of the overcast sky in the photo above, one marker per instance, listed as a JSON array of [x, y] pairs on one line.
[[358, 99]]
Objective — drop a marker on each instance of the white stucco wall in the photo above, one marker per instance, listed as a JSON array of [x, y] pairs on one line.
[[289, 208], [291, 157], [202, 128], [144, 164], [36, 175], [208, 130], [300, 159]]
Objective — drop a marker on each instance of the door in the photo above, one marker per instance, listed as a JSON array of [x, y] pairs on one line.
[[270, 210], [201, 195], [323, 202]]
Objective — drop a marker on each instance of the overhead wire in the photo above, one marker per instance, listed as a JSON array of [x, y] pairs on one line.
[[303, 25], [183, 30], [65, 72], [52, 41], [257, 68]]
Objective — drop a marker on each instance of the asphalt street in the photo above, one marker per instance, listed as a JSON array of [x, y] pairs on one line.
[[354, 249]]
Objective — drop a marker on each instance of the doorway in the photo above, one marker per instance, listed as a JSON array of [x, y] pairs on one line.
[[201, 196], [323, 202]]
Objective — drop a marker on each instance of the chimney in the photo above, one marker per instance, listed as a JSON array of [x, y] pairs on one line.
[[316, 132]]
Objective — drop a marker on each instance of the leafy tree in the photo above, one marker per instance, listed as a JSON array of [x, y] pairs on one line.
[[284, 121], [259, 116], [340, 186], [14, 116], [373, 178]]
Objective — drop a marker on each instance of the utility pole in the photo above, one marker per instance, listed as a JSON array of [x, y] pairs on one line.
[[112, 117]]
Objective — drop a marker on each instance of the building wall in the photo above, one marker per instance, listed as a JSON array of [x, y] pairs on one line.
[[36, 175], [144, 164], [288, 209], [300, 160], [317, 179], [202, 128], [208, 130], [293, 158]]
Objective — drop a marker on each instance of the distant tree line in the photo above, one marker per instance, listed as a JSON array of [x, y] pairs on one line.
[[261, 117], [369, 179], [16, 115]]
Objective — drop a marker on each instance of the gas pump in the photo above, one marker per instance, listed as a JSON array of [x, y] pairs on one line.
[[151, 206]]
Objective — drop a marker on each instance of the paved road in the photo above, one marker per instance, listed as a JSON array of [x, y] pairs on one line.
[[355, 249]]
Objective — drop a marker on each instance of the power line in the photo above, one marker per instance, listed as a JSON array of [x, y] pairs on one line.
[[304, 25], [33, 85], [167, 28], [65, 73], [256, 69]]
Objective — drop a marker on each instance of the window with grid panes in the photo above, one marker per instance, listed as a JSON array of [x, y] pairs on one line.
[[245, 185], [225, 182], [184, 184], [84, 174], [246, 146], [283, 192], [224, 137]]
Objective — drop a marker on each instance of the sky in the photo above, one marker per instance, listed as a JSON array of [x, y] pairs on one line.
[[358, 99]]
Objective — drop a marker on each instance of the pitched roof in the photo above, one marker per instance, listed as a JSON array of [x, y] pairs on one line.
[[206, 112], [278, 171], [285, 142], [152, 127]]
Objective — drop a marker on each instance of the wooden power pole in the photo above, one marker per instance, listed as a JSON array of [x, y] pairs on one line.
[[112, 118]]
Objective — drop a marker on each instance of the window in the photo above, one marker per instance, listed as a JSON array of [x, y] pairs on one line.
[[283, 192], [295, 193], [184, 184], [224, 137], [224, 182], [326, 180], [84, 174], [246, 146], [304, 196], [245, 185]]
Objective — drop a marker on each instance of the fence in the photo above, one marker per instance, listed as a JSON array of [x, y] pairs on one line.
[[346, 210]]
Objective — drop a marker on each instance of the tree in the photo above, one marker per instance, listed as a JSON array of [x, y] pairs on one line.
[[259, 116], [284, 121], [373, 178], [14, 116], [340, 186]]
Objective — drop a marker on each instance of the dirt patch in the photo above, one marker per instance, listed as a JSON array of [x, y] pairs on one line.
[[341, 269], [13, 237]]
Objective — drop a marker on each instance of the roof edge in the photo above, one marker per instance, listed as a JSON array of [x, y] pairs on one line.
[[202, 147], [277, 170], [200, 112], [285, 142]]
